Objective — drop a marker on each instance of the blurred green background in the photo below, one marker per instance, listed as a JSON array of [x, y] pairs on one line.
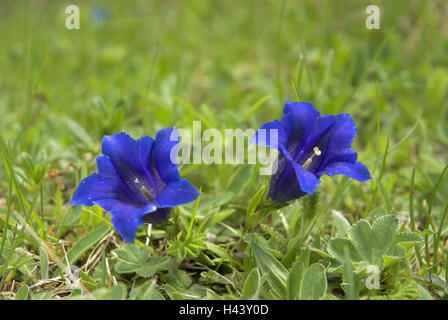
[[142, 65], [139, 66]]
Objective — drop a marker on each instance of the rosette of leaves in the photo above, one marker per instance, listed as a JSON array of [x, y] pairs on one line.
[[367, 247], [135, 259]]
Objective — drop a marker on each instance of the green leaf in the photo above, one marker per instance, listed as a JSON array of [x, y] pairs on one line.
[[224, 214], [351, 283], [383, 233], [42, 295], [275, 272], [360, 234], [22, 293], [390, 261], [147, 291], [211, 295], [191, 247], [78, 131], [424, 294], [255, 107], [407, 238], [372, 242], [252, 285], [86, 243], [342, 224], [173, 293], [194, 113], [118, 292], [321, 253], [405, 291], [293, 281], [88, 281], [383, 193], [240, 179], [178, 278], [293, 249], [314, 283], [255, 201], [435, 281], [43, 263], [342, 249], [310, 205], [135, 259]]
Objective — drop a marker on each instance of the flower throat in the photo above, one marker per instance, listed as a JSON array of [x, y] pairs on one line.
[[307, 163], [145, 191]]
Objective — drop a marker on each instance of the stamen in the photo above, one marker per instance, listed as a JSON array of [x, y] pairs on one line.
[[307, 163], [145, 191]]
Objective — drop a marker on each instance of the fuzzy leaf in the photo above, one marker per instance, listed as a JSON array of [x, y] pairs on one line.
[[373, 241], [342, 224], [274, 270], [252, 285], [407, 238], [86, 243], [383, 233], [147, 291], [314, 283], [22, 293], [342, 249], [118, 292], [295, 277], [135, 259]]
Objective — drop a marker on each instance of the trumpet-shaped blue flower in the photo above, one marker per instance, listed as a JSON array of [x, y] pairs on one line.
[[310, 145], [137, 181]]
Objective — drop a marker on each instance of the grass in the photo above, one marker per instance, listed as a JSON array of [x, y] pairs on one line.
[[150, 65]]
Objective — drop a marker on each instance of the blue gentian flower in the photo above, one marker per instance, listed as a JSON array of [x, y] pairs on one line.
[[137, 181], [310, 145]]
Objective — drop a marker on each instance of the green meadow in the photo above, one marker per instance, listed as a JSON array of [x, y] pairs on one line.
[[140, 66]]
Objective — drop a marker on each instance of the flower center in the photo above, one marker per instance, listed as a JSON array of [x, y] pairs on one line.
[[145, 191], [307, 163]]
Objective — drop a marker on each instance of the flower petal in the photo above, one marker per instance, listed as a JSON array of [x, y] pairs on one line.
[[345, 155], [308, 181], [164, 154], [96, 187], [106, 192], [284, 185], [344, 131], [271, 134], [128, 171], [131, 158], [288, 168], [337, 139], [176, 193], [126, 218], [158, 216], [316, 145], [106, 168], [357, 170], [121, 149], [299, 119], [305, 149]]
